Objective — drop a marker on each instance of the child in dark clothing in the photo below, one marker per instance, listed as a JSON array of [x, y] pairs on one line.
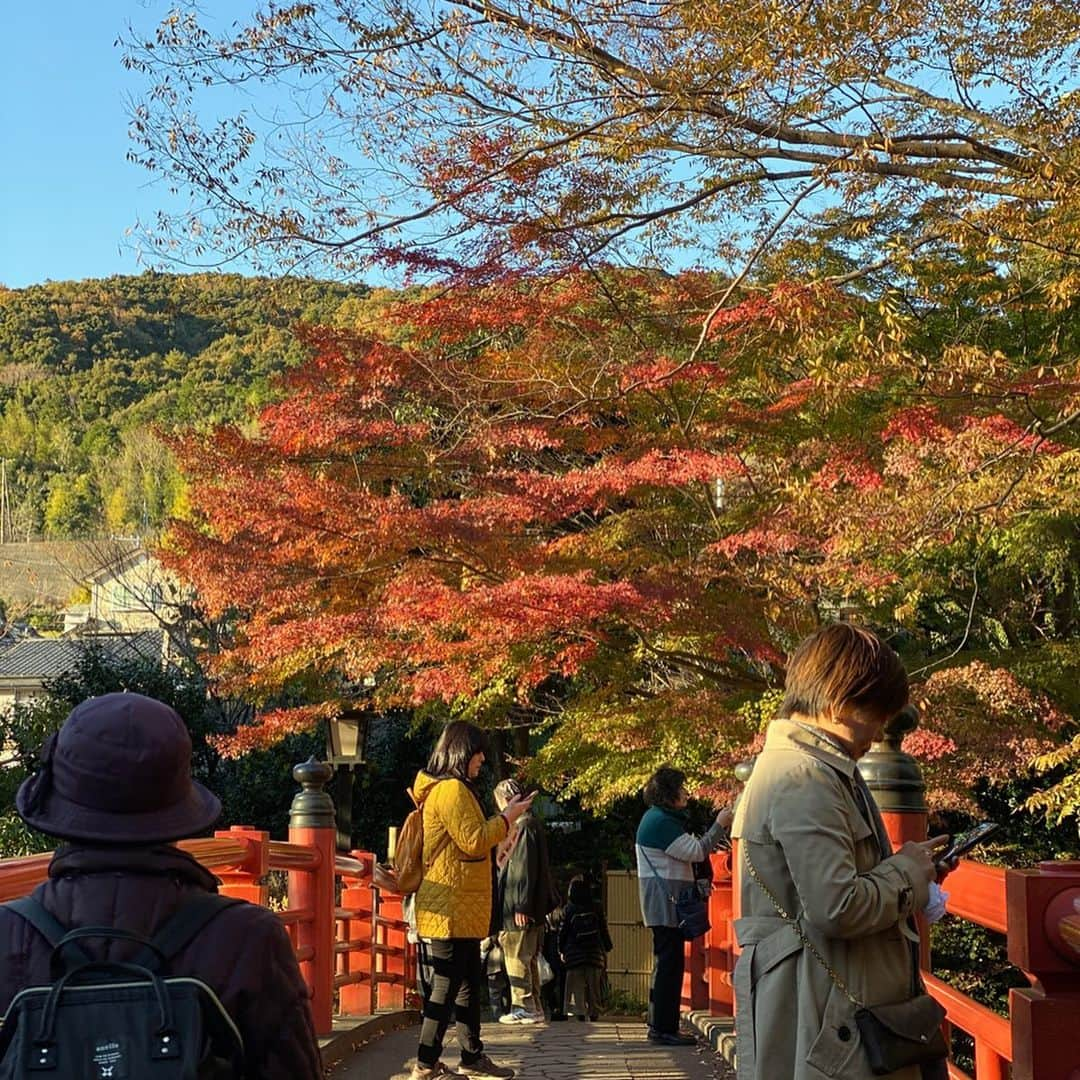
[[584, 943]]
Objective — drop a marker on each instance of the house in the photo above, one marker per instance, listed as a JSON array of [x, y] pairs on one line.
[[26, 667], [132, 602], [133, 591], [14, 631]]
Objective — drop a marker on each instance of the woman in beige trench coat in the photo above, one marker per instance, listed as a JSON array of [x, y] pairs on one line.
[[811, 831]]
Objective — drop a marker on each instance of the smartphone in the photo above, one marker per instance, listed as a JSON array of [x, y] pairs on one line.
[[963, 843]]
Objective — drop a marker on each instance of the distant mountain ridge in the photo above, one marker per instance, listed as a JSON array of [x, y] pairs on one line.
[[71, 324], [88, 369]]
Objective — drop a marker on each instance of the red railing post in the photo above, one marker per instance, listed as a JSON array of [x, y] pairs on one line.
[[391, 957], [1044, 942], [720, 961], [697, 974], [357, 895], [247, 880], [896, 781], [311, 823], [686, 992]]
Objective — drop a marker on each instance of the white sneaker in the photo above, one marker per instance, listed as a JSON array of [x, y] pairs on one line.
[[517, 1015]]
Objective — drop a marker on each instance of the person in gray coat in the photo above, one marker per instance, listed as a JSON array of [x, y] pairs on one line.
[[812, 843]]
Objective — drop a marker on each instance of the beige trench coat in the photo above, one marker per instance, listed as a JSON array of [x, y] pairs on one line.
[[799, 821]]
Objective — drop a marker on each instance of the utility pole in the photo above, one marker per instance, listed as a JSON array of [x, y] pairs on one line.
[[3, 498]]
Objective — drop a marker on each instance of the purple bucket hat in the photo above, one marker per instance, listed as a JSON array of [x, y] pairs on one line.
[[118, 772]]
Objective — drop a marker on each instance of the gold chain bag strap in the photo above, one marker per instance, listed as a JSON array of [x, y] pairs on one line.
[[893, 1036]]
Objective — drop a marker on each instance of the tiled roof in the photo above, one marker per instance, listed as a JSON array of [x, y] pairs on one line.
[[45, 658]]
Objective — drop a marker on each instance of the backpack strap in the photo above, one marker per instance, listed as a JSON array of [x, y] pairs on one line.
[[185, 924], [50, 928], [446, 838], [40, 918], [440, 847], [45, 923]]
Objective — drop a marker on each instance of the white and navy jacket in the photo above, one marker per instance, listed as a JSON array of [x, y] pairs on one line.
[[666, 854]]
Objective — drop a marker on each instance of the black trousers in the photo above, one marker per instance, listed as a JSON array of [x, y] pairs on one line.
[[450, 979], [665, 991], [498, 984]]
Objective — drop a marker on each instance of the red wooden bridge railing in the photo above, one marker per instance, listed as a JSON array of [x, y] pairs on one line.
[[352, 945], [1038, 909]]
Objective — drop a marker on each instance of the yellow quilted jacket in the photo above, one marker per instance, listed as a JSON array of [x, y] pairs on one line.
[[454, 899]]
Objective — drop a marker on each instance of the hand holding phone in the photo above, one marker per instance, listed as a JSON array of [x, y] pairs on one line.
[[924, 854], [517, 806], [964, 843]]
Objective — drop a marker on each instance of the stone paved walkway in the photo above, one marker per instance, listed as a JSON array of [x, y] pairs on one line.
[[614, 1049]]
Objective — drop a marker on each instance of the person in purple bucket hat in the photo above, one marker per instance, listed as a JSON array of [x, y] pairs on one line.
[[115, 783]]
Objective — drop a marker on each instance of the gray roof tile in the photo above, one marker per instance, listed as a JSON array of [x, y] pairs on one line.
[[48, 657]]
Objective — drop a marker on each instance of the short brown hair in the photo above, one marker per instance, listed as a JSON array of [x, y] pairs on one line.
[[844, 665], [662, 788]]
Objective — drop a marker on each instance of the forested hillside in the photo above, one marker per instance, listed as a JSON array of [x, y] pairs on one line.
[[89, 369]]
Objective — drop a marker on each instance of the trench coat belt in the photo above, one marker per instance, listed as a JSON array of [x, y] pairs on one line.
[[765, 940]]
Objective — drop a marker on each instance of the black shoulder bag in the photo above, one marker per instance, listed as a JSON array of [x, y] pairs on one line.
[[893, 1036], [691, 909]]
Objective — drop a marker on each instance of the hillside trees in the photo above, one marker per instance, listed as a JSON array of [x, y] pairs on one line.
[[89, 369], [511, 504]]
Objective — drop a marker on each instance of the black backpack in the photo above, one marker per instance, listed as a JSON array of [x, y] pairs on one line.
[[104, 1020], [584, 929]]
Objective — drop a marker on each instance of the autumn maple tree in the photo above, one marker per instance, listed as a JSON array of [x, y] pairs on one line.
[[572, 482], [606, 506]]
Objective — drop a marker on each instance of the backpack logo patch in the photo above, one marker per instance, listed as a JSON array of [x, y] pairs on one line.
[[109, 1058]]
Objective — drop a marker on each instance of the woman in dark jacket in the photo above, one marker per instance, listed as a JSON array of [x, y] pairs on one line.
[[116, 782], [525, 897]]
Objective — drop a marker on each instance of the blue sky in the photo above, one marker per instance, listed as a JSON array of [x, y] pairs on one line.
[[67, 195]]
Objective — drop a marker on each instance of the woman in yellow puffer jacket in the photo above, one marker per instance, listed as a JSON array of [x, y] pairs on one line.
[[453, 906]]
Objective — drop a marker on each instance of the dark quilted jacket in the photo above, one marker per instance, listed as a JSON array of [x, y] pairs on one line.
[[591, 952], [243, 955]]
